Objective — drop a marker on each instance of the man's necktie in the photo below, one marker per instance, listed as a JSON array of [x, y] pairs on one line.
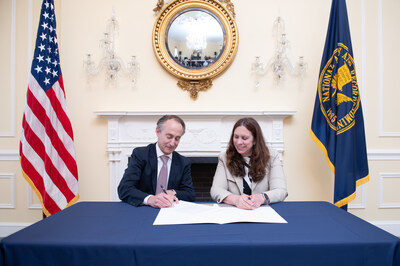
[[162, 177]]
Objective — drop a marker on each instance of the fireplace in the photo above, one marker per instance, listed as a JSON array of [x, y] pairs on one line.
[[207, 135], [203, 169]]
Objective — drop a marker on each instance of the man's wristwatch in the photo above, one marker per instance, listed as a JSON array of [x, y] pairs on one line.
[[266, 198]]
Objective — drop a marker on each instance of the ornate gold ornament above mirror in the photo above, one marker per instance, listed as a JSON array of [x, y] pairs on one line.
[[195, 40]]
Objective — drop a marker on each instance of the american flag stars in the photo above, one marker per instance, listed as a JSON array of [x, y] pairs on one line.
[[45, 66]]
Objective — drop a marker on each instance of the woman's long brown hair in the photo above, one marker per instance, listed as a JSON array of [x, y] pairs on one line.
[[259, 158]]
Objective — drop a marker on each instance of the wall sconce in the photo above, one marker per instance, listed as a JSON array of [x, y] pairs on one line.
[[279, 63], [110, 61]]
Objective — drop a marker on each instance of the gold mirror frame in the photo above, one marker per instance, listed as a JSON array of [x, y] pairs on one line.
[[195, 80]]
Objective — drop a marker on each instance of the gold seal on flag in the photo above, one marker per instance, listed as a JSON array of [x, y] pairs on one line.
[[338, 90]]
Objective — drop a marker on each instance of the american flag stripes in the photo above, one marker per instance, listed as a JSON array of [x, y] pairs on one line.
[[47, 152]]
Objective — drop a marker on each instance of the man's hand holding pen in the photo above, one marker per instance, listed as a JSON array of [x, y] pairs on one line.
[[165, 199]]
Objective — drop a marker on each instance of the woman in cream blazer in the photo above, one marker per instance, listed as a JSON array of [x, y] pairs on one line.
[[250, 159]]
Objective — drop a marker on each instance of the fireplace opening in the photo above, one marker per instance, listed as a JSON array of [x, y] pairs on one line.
[[203, 170]]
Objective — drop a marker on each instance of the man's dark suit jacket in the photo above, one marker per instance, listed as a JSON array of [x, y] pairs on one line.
[[140, 178]]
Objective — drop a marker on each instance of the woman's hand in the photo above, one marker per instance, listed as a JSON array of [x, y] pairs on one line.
[[257, 199], [245, 202], [241, 201]]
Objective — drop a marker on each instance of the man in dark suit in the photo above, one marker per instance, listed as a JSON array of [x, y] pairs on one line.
[[142, 182]]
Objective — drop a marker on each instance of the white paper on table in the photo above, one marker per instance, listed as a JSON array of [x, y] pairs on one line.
[[192, 213]]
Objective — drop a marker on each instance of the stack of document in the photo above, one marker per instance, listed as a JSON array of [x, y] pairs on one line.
[[191, 213]]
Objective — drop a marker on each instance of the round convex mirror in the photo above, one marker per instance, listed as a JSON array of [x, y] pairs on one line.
[[195, 39]]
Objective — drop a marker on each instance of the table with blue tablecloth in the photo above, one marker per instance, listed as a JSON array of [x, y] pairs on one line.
[[115, 233]]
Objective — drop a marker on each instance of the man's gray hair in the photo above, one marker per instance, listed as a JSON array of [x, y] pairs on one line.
[[165, 118]]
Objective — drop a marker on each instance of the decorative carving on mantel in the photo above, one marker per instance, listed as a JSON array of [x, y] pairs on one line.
[[207, 134]]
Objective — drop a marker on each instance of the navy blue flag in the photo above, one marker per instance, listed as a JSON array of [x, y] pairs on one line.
[[337, 124]]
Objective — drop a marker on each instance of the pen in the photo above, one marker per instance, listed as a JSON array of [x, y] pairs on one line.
[[163, 189]]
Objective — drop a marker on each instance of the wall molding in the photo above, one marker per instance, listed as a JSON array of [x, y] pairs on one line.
[[10, 205], [373, 155], [363, 89], [11, 133], [382, 133], [31, 205], [30, 35], [381, 204], [383, 155], [9, 155], [392, 227], [363, 203], [13, 155], [7, 229]]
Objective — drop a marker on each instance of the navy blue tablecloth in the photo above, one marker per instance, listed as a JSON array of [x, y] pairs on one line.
[[115, 233]]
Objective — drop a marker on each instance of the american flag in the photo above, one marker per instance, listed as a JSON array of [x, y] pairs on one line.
[[47, 152]]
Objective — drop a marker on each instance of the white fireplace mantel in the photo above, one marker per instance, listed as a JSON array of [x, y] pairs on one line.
[[207, 134]]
